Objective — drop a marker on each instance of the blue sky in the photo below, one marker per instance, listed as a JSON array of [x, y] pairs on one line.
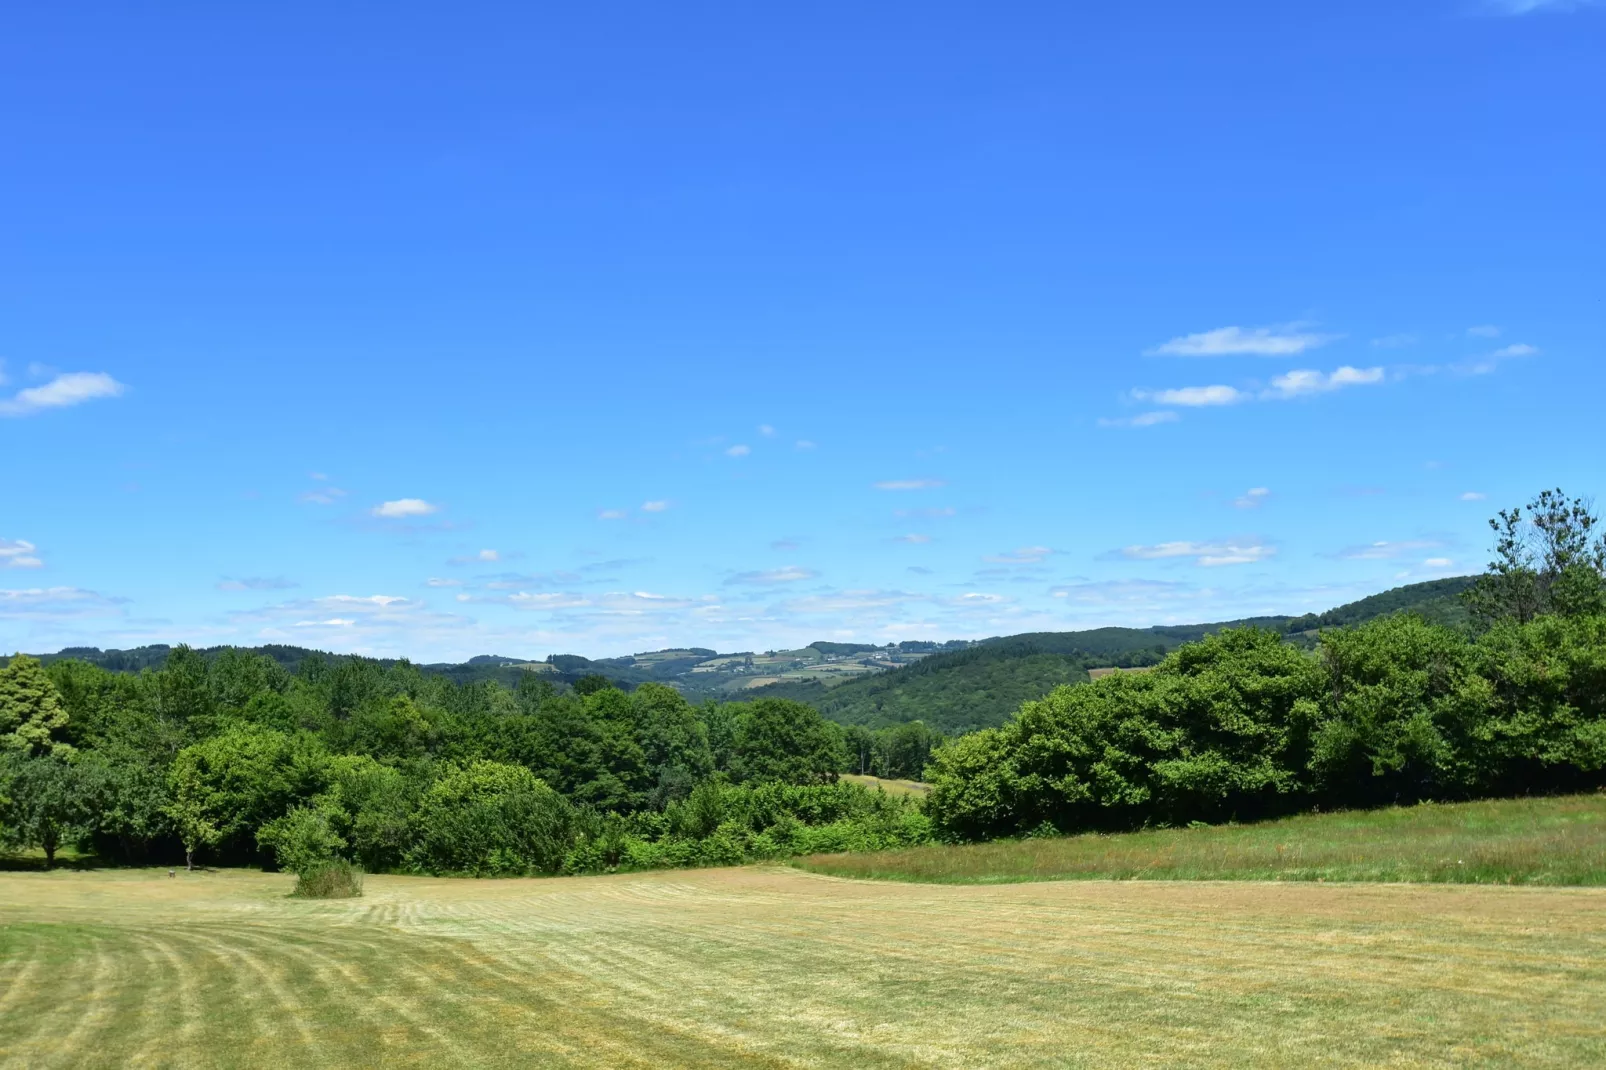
[[403, 329]]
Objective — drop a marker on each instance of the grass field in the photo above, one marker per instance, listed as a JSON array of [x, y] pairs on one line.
[[1549, 841], [773, 967], [891, 787]]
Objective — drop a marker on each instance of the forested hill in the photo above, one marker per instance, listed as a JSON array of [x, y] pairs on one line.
[[981, 686], [956, 686]]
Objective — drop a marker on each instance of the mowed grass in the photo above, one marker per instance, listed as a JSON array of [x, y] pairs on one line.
[[773, 967], [1545, 841], [891, 787]]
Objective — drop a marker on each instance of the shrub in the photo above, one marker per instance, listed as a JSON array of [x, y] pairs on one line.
[[330, 880], [490, 819]]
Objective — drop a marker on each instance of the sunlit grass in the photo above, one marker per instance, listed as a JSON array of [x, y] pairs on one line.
[[772, 967], [1548, 841]]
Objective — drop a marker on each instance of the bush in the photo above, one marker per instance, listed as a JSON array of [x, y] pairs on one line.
[[489, 819], [331, 880]]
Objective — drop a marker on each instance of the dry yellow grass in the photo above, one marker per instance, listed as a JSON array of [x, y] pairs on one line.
[[891, 787], [774, 967]]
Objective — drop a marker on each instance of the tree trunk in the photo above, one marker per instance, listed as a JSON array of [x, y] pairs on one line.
[[50, 851], [189, 859]]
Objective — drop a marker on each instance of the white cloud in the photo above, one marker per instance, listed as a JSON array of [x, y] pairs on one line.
[[788, 574], [1252, 498], [804, 444], [402, 508], [766, 430], [323, 495], [1439, 562], [1026, 555], [1206, 554], [1146, 593], [738, 451], [917, 539], [256, 583], [1486, 331], [1518, 350], [51, 602], [1142, 419], [1385, 550], [71, 389], [1305, 382], [1193, 396], [909, 484], [611, 514], [937, 513], [1530, 7], [1282, 341], [436, 581], [1473, 496], [657, 506], [1491, 361], [19, 553]]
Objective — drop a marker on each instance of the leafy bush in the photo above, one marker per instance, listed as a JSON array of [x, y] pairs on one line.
[[490, 819], [330, 880]]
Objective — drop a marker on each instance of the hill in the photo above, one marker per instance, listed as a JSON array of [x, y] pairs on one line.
[[980, 686], [954, 686]]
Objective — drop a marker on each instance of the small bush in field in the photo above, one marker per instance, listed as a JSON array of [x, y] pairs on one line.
[[329, 880]]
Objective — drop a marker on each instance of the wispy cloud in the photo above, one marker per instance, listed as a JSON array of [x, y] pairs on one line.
[[49, 602], [738, 451], [1530, 7], [1486, 331], [785, 544], [1386, 550], [1206, 554], [19, 553], [1026, 555], [256, 583], [766, 430], [483, 556], [913, 538], [937, 513], [403, 508], [1252, 498], [323, 495], [1194, 396], [909, 484], [804, 444], [63, 391], [1473, 496], [1305, 382], [612, 514], [656, 506], [1279, 341], [768, 577], [1142, 419]]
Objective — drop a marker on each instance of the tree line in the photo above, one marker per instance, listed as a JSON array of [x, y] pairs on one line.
[[1243, 724], [232, 759]]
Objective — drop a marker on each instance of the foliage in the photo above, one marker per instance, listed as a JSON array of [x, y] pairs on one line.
[[303, 839], [777, 739], [329, 880], [1548, 561], [490, 819], [32, 718], [45, 805]]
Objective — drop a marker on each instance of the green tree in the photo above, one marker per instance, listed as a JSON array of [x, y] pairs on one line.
[[32, 718], [46, 805], [1549, 560], [302, 839], [489, 819], [227, 787], [778, 739]]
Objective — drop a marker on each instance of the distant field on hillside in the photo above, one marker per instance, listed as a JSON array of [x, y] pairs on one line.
[[769, 967], [1547, 841]]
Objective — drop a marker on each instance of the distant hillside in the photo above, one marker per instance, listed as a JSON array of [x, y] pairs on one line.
[[983, 685], [956, 686]]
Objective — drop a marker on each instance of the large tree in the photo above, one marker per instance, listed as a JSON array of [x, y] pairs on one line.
[[1548, 560], [32, 718]]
